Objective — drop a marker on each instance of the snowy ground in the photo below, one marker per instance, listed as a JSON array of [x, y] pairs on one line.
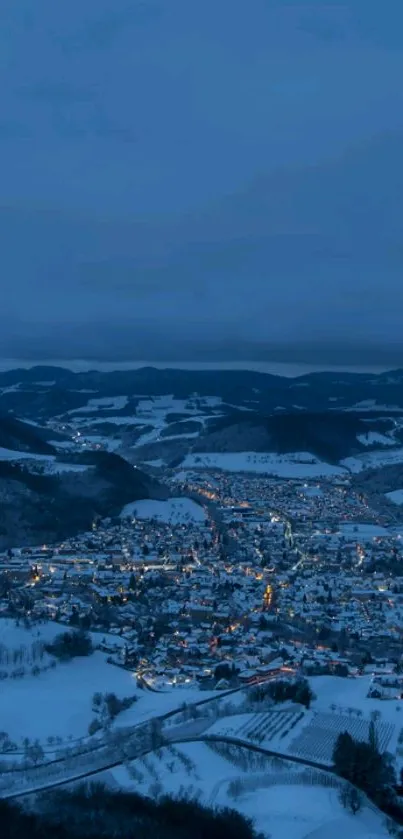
[[305, 812], [47, 462], [351, 693], [281, 810], [153, 412], [10, 454], [152, 704], [373, 460], [370, 404], [13, 636], [274, 729], [396, 496], [208, 770], [317, 740], [372, 438], [126, 419], [294, 465], [106, 402], [158, 462], [341, 705], [56, 468], [172, 511], [363, 531], [58, 702]]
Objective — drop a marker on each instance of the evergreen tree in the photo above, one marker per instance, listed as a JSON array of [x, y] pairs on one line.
[[343, 754], [373, 737]]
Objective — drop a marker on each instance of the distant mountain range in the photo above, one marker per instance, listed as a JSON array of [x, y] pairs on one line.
[[43, 392]]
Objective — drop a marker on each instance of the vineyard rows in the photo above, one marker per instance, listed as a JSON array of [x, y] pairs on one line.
[[318, 739], [267, 726]]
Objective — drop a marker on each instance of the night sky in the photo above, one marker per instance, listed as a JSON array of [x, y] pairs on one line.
[[186, 177]]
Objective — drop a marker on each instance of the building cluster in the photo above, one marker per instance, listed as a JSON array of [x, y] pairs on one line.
[[282, 576]]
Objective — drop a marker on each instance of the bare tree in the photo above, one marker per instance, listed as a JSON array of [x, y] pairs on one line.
[[350, 798]]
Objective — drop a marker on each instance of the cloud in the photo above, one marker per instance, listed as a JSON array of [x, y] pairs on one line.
[[13, 130], [102, 30], [57, 93], [73, 112], [308, 253], [209, 169], [330, 24]]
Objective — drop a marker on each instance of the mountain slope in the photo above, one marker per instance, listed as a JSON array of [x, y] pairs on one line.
[[329, 436], [37, 508], [22, 437]]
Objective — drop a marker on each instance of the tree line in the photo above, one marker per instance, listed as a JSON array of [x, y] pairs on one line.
[[284, 690], [68, 645], [362, 764], [93, 812]]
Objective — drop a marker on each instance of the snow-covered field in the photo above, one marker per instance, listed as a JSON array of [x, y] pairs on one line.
[[283, 809], [363, 531], [295, 465], [373, 460], [13, 636], [147, 412], [341, 704], [115, 403], [396, 496], [172, 511], [205, 771], [48, 463], [370, 404], [57, 703], [10, 454], [307, 812], [272, 729], [57, 468], [373, 438], [82, 422], [291, 730], [351, 693], [317, 740]]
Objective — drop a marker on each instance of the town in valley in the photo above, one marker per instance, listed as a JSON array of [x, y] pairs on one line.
[[215, 639]]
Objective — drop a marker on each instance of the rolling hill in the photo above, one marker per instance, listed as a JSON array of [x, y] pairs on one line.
[[40, 393], [37, 507], [22, 437], [77, 446]]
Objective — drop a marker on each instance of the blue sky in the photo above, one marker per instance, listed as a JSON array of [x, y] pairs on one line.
[[216, 170]]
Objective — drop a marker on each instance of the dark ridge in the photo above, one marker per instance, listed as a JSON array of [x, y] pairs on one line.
[[22, 437], [330, 436], [38, 508]]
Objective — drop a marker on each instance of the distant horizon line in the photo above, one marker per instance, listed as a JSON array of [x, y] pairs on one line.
[[280, 368]]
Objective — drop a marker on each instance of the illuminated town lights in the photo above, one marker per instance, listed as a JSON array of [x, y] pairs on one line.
[[268, 596]]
